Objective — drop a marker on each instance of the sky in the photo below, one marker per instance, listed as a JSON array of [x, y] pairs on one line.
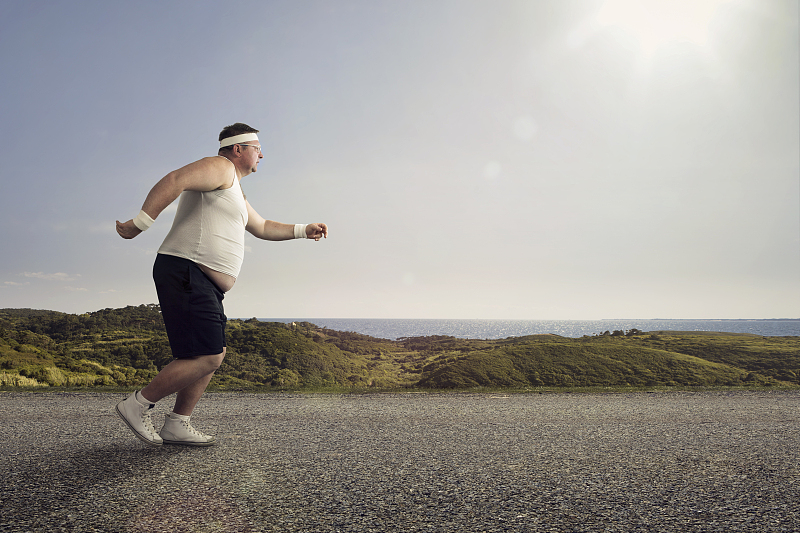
[[553, 160]]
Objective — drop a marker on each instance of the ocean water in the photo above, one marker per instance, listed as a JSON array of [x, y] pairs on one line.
[[385, 328]]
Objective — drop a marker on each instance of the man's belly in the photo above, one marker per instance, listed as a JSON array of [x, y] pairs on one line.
[[223, 281]]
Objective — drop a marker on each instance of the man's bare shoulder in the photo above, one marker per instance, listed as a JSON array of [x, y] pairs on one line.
[[215, 161], [207, 174]]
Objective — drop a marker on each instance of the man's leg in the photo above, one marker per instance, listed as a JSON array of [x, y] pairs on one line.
[[189, 378], [189, 396], [181, 374]]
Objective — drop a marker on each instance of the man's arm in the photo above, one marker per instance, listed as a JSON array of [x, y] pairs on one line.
[[208, 174], [277, 231]]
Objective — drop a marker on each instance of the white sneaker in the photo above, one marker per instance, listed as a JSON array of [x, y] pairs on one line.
[[177, 431], [137, 417]]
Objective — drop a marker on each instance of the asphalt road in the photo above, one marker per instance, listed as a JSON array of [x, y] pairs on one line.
[[682, 462]]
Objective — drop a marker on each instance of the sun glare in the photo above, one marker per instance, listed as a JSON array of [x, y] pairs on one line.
[[658, 22]]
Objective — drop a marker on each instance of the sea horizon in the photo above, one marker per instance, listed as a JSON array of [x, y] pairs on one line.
[[397, 328]]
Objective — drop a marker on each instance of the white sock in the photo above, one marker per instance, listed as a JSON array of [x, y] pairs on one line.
[[142, 400], [173, 414]]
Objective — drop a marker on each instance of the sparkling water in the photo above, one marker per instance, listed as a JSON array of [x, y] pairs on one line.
[[390, 328]]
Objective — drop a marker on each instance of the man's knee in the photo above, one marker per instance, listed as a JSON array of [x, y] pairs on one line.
[[214, 361]]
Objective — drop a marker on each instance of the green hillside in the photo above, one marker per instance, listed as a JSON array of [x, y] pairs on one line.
[[126, 348], [585, 362]]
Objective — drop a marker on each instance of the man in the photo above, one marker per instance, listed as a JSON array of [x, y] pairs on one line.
[[197, 263]]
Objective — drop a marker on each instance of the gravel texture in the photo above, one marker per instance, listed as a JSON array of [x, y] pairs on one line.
[[668, 461]]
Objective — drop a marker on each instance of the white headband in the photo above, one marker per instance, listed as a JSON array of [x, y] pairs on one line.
[[236, 139]]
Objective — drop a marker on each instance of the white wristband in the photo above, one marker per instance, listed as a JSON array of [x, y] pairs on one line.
[[300, 231], [143, 221]]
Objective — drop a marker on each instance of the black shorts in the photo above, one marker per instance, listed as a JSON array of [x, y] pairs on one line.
[[191, 305]]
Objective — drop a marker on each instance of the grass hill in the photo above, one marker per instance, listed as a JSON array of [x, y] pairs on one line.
[[591, 362], [126, 348]]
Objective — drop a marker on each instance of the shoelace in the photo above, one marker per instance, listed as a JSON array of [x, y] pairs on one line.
[[192, 430], [148, 423]]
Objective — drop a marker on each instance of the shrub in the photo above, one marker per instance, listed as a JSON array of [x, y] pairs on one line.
[[15, 380]]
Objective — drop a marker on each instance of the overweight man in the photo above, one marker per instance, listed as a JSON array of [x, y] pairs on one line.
[[198, 262]]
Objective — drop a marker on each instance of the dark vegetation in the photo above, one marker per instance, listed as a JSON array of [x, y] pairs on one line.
[[126, 348]]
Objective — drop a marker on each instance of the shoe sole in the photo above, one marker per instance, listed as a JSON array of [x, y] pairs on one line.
[[189, 443], [138, 435]]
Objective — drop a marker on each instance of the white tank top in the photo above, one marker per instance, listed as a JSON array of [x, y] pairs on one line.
[[209, 229]]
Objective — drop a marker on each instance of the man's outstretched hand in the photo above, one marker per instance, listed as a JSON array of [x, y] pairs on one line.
[[315, 231], [127, 230]]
